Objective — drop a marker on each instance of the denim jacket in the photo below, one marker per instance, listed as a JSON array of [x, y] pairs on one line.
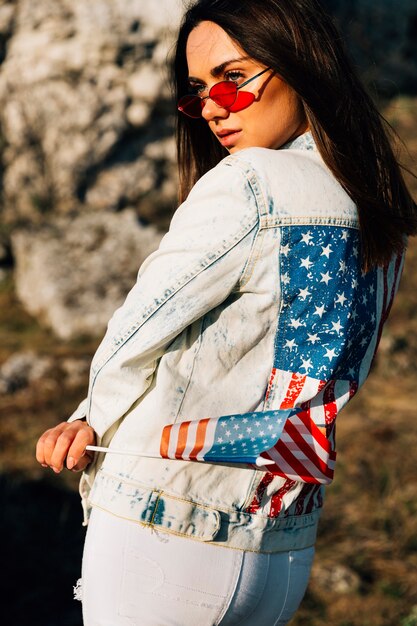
[[254, 301]]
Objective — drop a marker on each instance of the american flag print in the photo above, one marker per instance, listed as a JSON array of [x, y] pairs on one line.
[[228, 439], [331, 320], [328, 329]]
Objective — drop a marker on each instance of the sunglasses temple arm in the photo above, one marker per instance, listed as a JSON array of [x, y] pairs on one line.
[[253, 78]]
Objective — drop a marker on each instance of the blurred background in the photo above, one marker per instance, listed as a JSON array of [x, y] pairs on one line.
[[88, 182]]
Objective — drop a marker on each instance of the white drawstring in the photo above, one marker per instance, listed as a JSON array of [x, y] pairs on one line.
[[260, 462], [117, 451]]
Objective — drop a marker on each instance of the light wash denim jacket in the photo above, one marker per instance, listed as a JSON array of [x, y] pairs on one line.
[[255, 300]]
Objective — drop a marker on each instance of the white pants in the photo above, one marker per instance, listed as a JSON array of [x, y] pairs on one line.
[[135, 576]]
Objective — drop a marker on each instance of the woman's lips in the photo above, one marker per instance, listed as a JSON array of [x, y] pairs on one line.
[[228, 137]]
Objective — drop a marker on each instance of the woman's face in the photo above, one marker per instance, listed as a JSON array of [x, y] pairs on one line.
[[276, 115]]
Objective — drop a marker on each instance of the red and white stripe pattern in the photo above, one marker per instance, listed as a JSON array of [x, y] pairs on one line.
[[303, 452], [188, 441]]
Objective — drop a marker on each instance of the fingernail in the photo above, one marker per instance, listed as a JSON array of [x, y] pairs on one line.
[[56, 470], [44, 465], [70, 462]]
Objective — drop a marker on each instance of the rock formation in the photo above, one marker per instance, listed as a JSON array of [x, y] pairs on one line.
[[86, 112], [88, 154], [73, 273]]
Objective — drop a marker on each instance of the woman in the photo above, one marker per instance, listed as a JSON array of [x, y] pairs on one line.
[[264, 305]]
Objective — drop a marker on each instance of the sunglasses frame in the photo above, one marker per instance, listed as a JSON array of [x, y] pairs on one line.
[[196, 97]]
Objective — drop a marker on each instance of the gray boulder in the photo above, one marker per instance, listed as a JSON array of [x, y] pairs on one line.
[[22, 369], [83, 91], [73, 273]]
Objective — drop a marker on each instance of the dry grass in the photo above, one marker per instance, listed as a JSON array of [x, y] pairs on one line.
[[369, 523]]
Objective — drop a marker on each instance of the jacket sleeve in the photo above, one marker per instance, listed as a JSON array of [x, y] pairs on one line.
[[198, 264]]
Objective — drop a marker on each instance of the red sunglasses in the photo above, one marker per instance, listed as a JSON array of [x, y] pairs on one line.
[[224, 94]]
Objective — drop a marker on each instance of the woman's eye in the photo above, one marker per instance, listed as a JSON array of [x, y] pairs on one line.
[[233, 75], [196, 89]]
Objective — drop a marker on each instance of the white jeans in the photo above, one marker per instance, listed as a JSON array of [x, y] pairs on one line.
[[135, 576]]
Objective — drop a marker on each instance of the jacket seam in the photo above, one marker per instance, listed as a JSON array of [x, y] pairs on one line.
[[196, 351], [252, 178], [253, 258], [280, 330], [278, 222], [260, 202]]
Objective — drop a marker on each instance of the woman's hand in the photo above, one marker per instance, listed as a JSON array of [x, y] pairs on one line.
[[67, 441]]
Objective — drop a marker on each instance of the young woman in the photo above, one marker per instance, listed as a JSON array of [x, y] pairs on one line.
[[248, 330]]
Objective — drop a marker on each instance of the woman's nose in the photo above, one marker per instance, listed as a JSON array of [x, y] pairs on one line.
[[211, 111]]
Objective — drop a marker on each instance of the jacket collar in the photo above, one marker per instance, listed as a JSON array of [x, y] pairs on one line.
[[303, 142]]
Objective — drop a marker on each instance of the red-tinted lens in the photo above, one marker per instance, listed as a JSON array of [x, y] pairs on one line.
[[224, 93], [191, 106], [243, 100]]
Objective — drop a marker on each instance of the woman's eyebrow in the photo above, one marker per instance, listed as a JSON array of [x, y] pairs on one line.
[[219, 69]]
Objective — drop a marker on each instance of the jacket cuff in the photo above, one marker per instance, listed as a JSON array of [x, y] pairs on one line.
[[80, 413]]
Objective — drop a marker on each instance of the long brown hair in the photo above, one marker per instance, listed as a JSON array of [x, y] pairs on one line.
[[301, 43]]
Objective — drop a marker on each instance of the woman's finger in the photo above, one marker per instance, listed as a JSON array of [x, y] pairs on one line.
[[84, 461], [47, 442], [78, 458], [53, 446]]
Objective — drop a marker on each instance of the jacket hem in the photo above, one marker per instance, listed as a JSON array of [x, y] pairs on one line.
[[169, 513]]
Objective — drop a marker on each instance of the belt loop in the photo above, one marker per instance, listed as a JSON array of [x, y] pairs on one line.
[[155, 508]]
